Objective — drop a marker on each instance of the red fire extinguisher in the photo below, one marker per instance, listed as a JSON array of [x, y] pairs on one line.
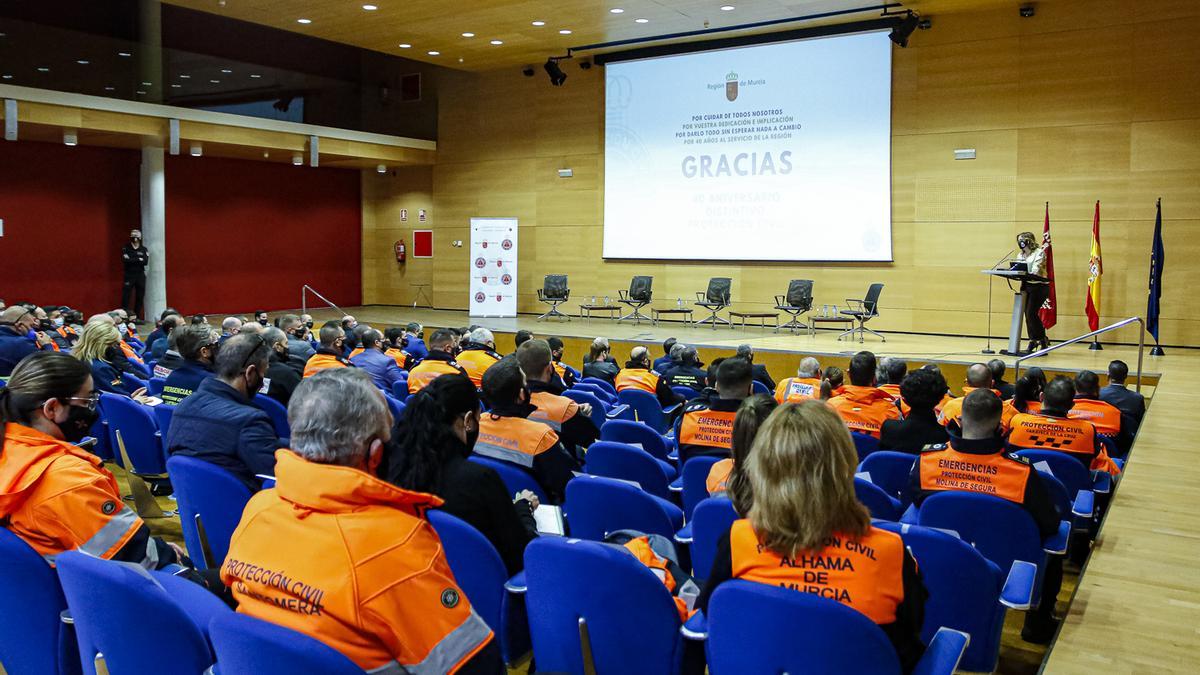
[[400, 252]]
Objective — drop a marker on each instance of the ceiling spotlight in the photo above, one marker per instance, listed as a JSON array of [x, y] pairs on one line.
[[904, 29], [226, 71], [70, 137], [727, 8], [304, 21], [266, 154], [565, 31], [370, 8], [641, 20], [433, 53], [468, 35], [382, 168], [497, 42], [125, 54], [83, 62], [43, 69], [185, 77], [297, 159], [215, 81], [557, 76], [147, 84], [196, 150], [176, 86], [255, 76], [539, 23], [404, 45], [616, 10], [1027, 11]]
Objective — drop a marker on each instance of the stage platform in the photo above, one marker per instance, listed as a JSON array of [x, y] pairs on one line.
[[1137, 606]]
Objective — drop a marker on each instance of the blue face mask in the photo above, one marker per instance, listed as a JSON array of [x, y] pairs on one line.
[[58, 322]]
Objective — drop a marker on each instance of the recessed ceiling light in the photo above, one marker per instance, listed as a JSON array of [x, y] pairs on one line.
[[43, 69], [497, 42], [124, 54], [434, 53], [176, 86], [565, 31], [468, 35], [83, 62], [147, 84], [140, 92], [226, 70], [6, 76], [616, 10], [110, 88], [255, 76], [404, 45], [641, 20], [185, 77], [370, 8], [539, 23], [304, 21], [215, 81], [727, 8]]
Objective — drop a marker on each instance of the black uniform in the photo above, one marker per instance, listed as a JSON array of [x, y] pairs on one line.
[[133, 291]]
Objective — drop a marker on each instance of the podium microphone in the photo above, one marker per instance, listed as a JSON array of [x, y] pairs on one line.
[[988, 349]]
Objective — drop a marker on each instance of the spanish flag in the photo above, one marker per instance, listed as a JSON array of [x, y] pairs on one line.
[[1095, 269]]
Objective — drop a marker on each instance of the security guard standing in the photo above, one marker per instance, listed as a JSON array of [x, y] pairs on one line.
[[134, 259], [437, 362]]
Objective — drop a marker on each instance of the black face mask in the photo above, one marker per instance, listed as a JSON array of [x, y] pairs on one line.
[[78, 423], [252, 386], [45, 325], [308, 324], [262, 321], [112, 353]]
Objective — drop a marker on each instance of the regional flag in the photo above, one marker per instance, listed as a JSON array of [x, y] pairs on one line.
[[1095, 269], [1157, 259], [1049, 309]]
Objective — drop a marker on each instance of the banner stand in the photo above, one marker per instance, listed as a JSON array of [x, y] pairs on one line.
[[493, 260]]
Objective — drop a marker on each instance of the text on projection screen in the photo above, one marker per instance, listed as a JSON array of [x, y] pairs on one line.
[[771, 152]]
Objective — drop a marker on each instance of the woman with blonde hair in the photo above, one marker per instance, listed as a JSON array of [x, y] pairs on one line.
[[97, 348], [807, 531]]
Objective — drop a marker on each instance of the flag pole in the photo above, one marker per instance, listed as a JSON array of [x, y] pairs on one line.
[[1157, 350]]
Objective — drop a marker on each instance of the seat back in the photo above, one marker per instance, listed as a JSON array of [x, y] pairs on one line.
[[105, 596], [864, 444], [889, 470], [596, 390], [249, 646], [277, 412], [631, 621], [599, 506], [154, 386], [881, 506], [760, 388], [137, 427], [695, 481], [799, 293], [636, 433], [640, 288], [626, 462], [400, 389], [710, 521], [32, 639], [515, 479], [1073, 474], [1001, 530], [212, 496], [718, 290], [646, 408], [686, 393], [757, 628], [477, 566], [603, 384], [598, 416], [871, 302], [554, 287], [394, 406], [163, 413], [964, 592]]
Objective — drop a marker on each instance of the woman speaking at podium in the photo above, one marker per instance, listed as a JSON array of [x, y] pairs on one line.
[[1036, 292]]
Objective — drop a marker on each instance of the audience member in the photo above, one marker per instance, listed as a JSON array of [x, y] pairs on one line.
[[158, 332], [171, 360], [1131, 404], [478, 354], [979, 376], [55, 495], [600, 363], [832, 383], [946, 396], [921, 390], [977, 462], [1006, 389], [760, 371], [1027, 394], [331, 352], [98, 348], [1052, 429], [231, 326], [365, 569], [159, 347], [566, 376], [429, 454], [864, 406], [893, 370], [1088, 406], [801, 470], [220, 423], [706, 426], [729, 475], [688, 371], [382, 368], [284, 370], [438, 361], [506, 434], [637, 375], [393, 341], [415, 344], [521, 338], [16, 325], [261, 318], [198, 346], [667, 361], [295, 329], [570, 420], [806, 384]]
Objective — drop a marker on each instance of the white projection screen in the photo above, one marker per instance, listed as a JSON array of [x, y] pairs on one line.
[[777, 152]]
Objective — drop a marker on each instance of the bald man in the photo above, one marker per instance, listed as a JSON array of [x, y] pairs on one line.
[[637, 374], [16, 323], [979, 376]]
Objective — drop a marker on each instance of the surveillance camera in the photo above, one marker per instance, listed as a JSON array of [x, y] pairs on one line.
[[925, 24], [527, 71], [585, 65], [1027, 11]]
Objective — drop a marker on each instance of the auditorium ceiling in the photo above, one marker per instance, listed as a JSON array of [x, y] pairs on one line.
[[488, 34]]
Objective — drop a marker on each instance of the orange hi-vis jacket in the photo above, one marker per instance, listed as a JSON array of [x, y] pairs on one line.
[[796, 389], [866, 574], [355, 352], [323, 361], [552, 409], [706, 428], [563, 374], [942, 468], [430, 368], [718, 476], [893, 390], [349, 559], [641, 549], [952, 410], [399, 355], [516, 440], [127, 351], [864, 409], [58, 497], [637, 378], [1077, 438], [476, 362], [1105, 416]]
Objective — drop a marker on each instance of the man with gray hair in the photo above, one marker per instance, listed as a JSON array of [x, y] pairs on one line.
[[806, 384], [478, 354], [890, 373], [688, 371], [15, 324], [366, 573], [637, 375], [229, 327], [760, 371], [372, 359], [198, 346], [219, 423]]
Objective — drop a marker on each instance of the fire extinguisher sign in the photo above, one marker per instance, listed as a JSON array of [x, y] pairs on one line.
[[493, 267]]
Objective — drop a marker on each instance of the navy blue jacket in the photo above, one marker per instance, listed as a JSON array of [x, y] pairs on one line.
[[158, 348], [13, 347], [381, 367], [184, 380], [218, 424], [416, 348], [1131, 404], [664, 363], [105, 377]]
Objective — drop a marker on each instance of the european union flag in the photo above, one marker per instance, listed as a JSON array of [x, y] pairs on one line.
[[1157, 259]]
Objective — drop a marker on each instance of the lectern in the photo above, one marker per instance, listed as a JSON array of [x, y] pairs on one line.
[[1018, 310]]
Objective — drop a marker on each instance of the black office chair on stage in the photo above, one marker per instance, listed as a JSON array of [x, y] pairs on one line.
[[862, 311], [715, 299], [554, 292], [798, 300], [638, 296]]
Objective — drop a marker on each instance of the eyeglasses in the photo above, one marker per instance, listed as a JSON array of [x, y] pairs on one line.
[[90, 401], [261, 343]]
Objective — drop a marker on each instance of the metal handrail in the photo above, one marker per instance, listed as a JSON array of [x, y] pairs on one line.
[[1120, 324], [305, 290]]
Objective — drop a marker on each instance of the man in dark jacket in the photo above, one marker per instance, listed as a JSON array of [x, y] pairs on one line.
[[415, 343], [1006, 389], [921, 390], [382, 368], [688, 372], [198, 347], [668, 360], [760, 371], [283, 373], [220, 423], [1131, 404], [295, 329], [15, 324], [134, 259]]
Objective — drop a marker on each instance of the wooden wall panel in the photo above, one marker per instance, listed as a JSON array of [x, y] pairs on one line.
[[1089, 100]]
